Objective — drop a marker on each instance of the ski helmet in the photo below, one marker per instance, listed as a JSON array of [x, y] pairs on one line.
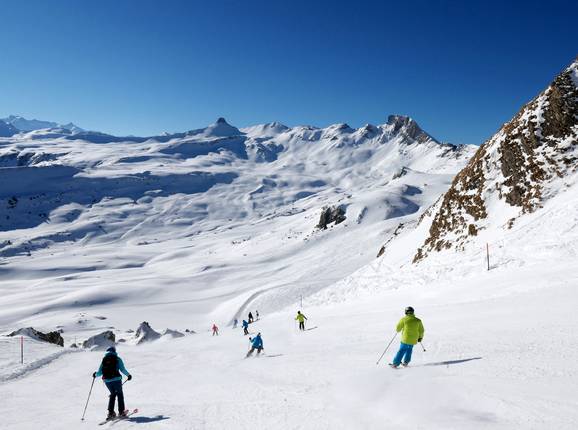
[[409, 310], [111, 349]]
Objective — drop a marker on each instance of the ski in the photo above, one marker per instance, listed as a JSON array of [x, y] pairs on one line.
[[312, 328], [119, 418]]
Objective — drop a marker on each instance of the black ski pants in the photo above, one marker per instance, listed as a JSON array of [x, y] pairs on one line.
[[115, 388], [301, 325], [253, 350]]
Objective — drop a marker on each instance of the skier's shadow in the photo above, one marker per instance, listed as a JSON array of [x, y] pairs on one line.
[[145, 420], [447, 363]]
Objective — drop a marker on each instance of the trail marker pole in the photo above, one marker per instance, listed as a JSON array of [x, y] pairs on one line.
[[488, 255], [21, 349], [301, 301]]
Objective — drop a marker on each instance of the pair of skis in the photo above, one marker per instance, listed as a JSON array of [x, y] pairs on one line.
[[119, 417]]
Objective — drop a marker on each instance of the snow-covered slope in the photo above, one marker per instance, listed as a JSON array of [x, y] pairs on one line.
[[532, 158], [216, 218]]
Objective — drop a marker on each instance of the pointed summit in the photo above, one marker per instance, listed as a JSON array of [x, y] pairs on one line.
[[221, 128], [406, 126]]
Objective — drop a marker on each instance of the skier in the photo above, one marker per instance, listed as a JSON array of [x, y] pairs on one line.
[[412, 333], [257, 315], [215, 330], [245, 327], [256, 344], [301, 318], [235, 323], [250, 317], [110, 369]]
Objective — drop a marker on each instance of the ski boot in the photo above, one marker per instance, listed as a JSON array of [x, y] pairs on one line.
[[111, 416]]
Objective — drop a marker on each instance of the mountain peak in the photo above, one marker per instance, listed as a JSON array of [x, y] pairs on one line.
[[221, 120], [406, 126]]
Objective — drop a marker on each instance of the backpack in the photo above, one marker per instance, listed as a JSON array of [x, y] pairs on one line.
[[110, 366]]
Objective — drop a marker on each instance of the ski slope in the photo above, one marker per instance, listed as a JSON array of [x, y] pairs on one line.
[[497, 357]]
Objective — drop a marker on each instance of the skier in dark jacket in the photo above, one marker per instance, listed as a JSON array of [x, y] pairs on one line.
[[250, 317], [245, 327], [256, 344], [110, 369]]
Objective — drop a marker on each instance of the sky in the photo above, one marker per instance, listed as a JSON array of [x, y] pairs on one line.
[[459, 68]]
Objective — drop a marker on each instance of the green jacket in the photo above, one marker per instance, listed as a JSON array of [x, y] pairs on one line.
[[411, 328], [300, 318]]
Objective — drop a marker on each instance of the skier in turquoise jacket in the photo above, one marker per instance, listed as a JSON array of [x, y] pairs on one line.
[[412, 332], [110, 369]]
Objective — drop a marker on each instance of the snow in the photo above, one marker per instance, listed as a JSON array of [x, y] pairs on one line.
[[201, 228]]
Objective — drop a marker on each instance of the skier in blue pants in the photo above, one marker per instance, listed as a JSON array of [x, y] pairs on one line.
[[412, 332], [110, 369]]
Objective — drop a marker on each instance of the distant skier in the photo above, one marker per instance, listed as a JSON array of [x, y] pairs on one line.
[[245, 325], [215, 330], [250, 317], [412, 333], [257, 315], [235, 323], [110, 369], [301, 318], [256, 344]]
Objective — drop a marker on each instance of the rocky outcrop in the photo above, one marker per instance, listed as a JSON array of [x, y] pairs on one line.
[[100, 341], [53, 337], [513, 172], [145, 333], [331, 214]]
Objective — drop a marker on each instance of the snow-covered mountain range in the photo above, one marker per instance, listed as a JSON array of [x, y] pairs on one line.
[[218, 202]]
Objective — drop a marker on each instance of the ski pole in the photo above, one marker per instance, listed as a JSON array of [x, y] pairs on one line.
[[89, 393], [422, 346], [386, 348]]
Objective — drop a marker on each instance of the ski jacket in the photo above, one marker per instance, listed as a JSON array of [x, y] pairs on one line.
[[411, 328], [300, 318], [245, 324], [119, 365], [257, 342]]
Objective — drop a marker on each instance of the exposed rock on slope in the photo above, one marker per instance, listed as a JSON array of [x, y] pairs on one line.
[[513, 172], [333, 214], [52, 337]]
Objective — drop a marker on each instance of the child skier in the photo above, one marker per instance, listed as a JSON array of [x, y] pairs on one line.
[[256, 344], [257, 315], [301, 318], [215, 330], [110, 369], [245, 327], [412, 333]]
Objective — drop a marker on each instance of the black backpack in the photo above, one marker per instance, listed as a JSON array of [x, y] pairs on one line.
[[110, 366]]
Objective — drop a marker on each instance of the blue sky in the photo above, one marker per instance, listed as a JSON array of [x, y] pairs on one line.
[[460, 69]]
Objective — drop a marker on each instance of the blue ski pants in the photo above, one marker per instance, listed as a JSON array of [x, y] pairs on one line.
[[404, 354]]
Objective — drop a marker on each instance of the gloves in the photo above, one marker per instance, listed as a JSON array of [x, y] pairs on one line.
[[129, 377], [419, 340], [94, 375]]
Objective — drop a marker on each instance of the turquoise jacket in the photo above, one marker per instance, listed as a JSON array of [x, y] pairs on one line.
[[120, 368]]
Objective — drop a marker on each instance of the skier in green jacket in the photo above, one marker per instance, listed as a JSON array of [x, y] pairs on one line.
[[301, 318], [412, 331]]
